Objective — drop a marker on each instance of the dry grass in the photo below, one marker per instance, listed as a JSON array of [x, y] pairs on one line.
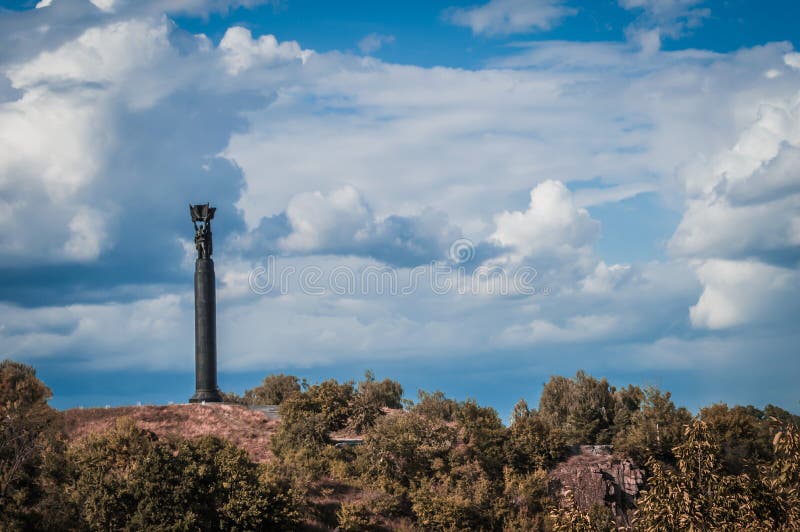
[[246, 428]]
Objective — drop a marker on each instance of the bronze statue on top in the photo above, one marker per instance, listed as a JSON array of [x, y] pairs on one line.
[[202, 214]]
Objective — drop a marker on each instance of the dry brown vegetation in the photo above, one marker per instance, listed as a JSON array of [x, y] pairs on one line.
[[247, 429]]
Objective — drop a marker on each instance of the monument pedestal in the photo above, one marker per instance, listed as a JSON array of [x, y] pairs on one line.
[[205, 335]]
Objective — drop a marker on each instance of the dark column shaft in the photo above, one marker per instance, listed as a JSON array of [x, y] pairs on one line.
[[205, 333]]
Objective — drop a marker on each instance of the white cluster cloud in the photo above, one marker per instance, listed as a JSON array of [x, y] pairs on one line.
[[342, 222], [551, 226], [742, 292], [241, 51], [336, 159], [504, 17], [326, 221], [742, 220]]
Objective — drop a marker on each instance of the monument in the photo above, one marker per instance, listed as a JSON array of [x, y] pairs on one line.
[[205, 311]]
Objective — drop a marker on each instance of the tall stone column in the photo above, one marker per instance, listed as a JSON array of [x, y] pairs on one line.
[[205, 309]]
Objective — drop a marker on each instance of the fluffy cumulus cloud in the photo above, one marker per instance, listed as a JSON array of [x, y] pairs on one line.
[[241, 51], [113, 118], [743, 292], [551, 226], [742, 218], [504, 17], [341, 222]]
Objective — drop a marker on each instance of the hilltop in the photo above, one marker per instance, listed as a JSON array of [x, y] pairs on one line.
[[248, 429]]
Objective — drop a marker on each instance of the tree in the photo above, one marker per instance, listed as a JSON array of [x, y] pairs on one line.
[[273, 390], [654, 429], [436, 406], [744, 433], [481, 437], [370, 399], [386, 393], [32, 446], [700, 495], [532, 443], [581, 408]]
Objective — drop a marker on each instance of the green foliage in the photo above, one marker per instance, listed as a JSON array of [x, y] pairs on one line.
[[32, 444], [308, 417], [700, 495], [354, 517], [780, 416], [627, 401], [233, 398], [525, 499], [403, 448], [273, 390], [364, 412], [462, 499], [570, 518], [481, 437], [386, 393], [436, 406], [582, 408], [370, 399], [743, 432], [532, 444], [127, 479], [654, 429]]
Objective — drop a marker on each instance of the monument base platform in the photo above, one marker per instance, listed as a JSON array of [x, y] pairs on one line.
[[206, 396]]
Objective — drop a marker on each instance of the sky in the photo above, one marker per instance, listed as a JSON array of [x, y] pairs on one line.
[[467, 196]]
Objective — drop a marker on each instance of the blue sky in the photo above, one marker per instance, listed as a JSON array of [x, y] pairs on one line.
[[641, 156]]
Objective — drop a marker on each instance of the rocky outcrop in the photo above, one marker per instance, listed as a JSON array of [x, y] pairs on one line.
[[596, 476]]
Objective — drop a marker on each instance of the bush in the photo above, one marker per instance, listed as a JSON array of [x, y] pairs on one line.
[[273, 390], [126, 478], [401, 449], [464, 499], [525, 499], [354, 517], [364, 412], [573, 519], [370, 399]]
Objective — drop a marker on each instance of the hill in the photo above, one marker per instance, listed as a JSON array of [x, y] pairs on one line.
[[249, 429]]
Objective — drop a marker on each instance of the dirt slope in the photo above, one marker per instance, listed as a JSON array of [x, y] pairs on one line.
[[248, 429]]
